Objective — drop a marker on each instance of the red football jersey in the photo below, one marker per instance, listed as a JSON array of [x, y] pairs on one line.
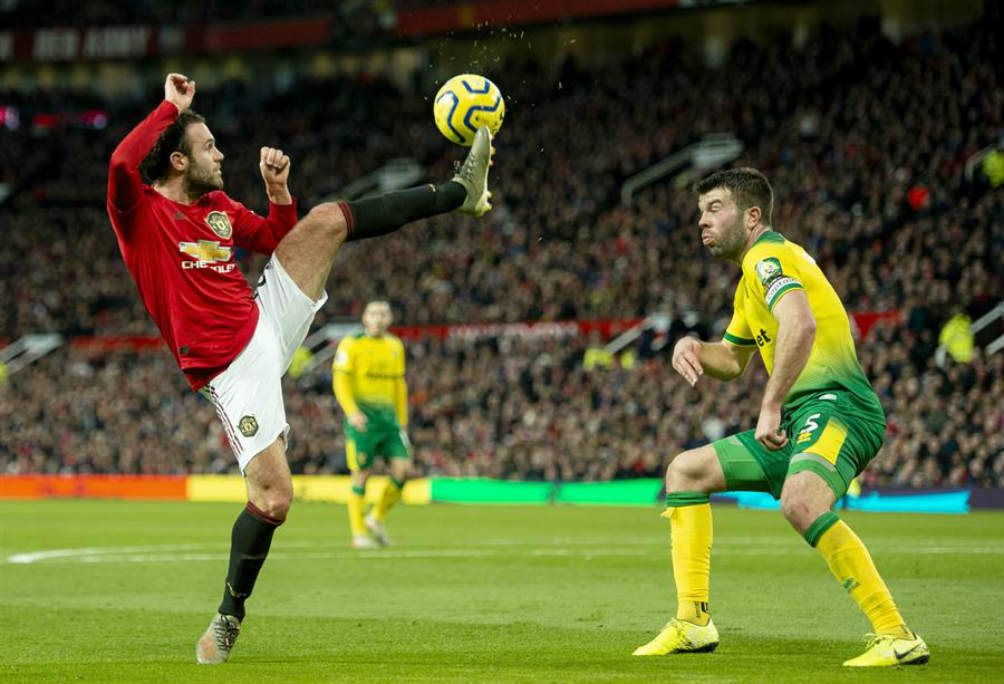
[[181, 256]]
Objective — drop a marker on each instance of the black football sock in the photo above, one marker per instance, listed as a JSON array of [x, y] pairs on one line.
[[249, 544], [382, 214]]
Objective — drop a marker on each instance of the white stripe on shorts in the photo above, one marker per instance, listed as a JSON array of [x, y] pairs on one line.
[[235, 444]]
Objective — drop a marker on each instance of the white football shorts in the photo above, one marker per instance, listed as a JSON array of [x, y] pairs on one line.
[[248, 394]]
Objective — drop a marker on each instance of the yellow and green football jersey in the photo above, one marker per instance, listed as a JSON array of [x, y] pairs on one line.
[[772, 268], [369, 376]]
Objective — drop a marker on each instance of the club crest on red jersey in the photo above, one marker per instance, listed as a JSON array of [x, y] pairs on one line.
[[220, 223]]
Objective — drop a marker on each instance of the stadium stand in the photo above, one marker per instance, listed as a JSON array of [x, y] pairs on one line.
[[869, 174]]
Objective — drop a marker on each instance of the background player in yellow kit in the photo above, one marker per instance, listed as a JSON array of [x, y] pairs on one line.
[[370, 387], [820, 421]]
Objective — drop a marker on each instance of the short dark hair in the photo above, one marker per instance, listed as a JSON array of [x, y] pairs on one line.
[[749, 187], [173, 139]]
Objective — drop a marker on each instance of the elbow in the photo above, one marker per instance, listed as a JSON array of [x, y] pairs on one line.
[[119, 159], [119, 166], [807, 330], [733, 373]]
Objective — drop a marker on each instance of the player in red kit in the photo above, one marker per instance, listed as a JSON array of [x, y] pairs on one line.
[[177, 236]]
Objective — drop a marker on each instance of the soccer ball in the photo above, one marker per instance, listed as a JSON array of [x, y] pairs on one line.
[[464, 104]]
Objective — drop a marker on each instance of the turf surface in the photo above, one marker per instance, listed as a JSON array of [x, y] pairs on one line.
[[476, 594]]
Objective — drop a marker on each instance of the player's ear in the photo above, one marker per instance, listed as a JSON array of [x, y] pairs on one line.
[[179, 161], [752, 217]]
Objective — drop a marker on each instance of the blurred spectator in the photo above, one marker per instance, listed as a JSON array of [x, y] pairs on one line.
[[506, 408]]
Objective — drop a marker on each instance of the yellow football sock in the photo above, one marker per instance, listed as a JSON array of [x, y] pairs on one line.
[[852, 565], [357, 502], [691, 535], [391, 495]]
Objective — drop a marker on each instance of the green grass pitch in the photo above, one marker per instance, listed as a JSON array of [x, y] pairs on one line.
[[476, 594]]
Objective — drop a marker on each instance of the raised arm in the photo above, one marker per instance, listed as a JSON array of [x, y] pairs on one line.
[[263, 235], [125, 184]]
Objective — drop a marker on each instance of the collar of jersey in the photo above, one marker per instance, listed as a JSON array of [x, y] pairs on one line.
[[770, 236]]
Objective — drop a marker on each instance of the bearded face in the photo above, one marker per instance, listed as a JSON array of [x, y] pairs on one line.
[[722, 230], [204, 171]]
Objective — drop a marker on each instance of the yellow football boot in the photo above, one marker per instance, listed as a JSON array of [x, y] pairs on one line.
[[679, 636], [886, 650]]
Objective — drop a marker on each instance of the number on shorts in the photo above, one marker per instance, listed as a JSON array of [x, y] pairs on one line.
[[810, 424]]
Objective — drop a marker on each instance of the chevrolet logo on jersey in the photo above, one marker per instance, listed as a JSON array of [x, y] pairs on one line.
[[205, 250], [206, 254]]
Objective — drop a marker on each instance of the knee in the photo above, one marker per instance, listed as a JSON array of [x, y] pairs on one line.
[[275, 501], [328, 219], [677, 479], [798, 512]]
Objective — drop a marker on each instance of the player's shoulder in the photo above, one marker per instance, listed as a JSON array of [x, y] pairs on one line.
[[768, 256], [149, 194], [218, 199], [771, 242], [350, 339]]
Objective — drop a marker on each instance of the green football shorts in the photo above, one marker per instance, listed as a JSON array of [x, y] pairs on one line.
[[833, 434], [361, 448]]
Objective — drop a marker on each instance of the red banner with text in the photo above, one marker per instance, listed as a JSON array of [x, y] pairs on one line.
[[606, 328]]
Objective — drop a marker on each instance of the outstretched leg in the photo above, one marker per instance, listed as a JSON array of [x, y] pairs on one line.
[[308, 251]]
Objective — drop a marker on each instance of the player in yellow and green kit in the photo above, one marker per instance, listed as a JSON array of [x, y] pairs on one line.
[[370, 387], [820, 422]]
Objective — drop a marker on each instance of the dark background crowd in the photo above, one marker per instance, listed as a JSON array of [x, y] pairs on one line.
[[865, 142]]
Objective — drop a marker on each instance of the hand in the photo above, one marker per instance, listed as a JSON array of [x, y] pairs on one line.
[[358, 421], [179, 91], [687, 359], [768, 428], [274, 167]]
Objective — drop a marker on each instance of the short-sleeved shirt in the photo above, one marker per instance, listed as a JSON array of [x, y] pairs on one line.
[[773, 268]]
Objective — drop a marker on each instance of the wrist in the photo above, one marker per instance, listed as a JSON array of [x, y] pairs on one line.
[[769, 404], [278, 194], [692, 341]]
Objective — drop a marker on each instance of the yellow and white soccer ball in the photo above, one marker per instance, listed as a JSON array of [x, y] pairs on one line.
[[464, 104]]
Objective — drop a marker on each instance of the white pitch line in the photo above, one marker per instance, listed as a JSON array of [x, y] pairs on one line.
[[180, 553], [72, 553]]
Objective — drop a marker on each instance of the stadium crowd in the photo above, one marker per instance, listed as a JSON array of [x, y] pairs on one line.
[[864, 149], [363, 14]]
